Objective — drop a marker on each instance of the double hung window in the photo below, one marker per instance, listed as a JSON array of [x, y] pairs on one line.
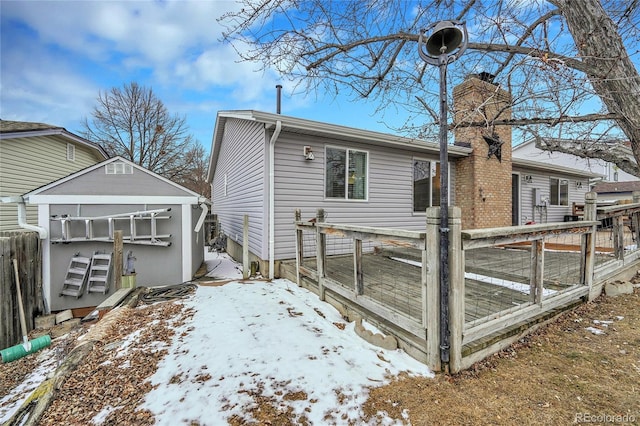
[[346, 174]]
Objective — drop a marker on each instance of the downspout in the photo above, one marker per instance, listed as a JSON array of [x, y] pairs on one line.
[[272, 220], [203, 215], [22, 216]]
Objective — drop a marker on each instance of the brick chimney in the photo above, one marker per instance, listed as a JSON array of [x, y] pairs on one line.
[[483, 180]]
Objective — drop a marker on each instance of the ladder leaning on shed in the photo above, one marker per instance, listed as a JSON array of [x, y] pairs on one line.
[[99, 273], [152, 239], [76, 277]]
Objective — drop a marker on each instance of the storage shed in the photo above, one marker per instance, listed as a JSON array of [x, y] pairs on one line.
[[161, 223]]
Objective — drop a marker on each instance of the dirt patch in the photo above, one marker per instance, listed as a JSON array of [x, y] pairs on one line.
[[583, 367]]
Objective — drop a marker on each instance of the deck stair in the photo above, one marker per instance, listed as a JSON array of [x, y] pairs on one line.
[[99, 273], [76, 277]]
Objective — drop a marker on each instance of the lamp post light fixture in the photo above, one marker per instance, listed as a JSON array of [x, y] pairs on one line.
[[446, 43]]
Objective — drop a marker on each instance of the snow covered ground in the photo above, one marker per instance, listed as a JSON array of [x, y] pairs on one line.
[[274, 340], [256, 340]]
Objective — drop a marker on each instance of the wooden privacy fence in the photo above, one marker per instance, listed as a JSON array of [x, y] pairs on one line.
[[502, 282], [26, 248]]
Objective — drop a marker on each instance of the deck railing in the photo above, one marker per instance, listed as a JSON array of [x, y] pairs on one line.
[[380, 270], [617, 236], [501, 280]]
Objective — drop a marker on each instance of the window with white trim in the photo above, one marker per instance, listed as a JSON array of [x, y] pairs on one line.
[[558, 192], [426, 185], [71, 152], [118, 168], [346, 173]]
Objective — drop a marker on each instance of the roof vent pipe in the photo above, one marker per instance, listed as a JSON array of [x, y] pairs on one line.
[[278, 97]]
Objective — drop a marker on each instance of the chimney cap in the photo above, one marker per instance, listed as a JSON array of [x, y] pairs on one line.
[[484, 76]]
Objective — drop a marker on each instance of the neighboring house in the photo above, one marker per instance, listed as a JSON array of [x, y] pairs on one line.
[[620, 191], [267, 165], [161, 222], [609, 171], [34, 154]]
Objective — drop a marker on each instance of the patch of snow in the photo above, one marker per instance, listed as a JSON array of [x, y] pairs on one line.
[[47, 365], [595, 331], [522, 288], [269, 339]]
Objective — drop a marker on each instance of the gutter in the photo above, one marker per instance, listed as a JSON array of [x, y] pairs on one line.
[[22, 216], [272, 220]]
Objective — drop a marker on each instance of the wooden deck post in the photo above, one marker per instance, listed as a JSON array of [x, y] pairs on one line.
[[456, 289], [117, 259], [299, 245], [357, 267], [245, 247], [537, 271], [321, 249], [588, 257], [431, 293], [635, 220], [618, 236]]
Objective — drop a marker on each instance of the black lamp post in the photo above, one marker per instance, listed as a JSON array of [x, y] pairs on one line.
[[446, 43]]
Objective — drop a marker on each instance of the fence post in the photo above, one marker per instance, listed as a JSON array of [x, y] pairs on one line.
[[456, 289], [299, 245], [536, 283], [245, 247], [117, 259], [589, 243], [357, 267], [431, 295], [635, 220], [321, 242]]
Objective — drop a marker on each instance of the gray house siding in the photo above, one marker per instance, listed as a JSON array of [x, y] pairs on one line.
[[239, 183], [158, 265], [540, 182], [300, 184]]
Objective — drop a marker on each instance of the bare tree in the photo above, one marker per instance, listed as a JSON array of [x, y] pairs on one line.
[[133, 123], [196, 178], [568, 64]]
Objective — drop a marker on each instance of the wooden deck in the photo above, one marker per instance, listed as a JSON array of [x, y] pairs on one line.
[[497, 278]]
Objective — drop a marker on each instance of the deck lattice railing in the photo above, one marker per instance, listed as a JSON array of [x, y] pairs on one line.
[[545, 267], [617, 235]]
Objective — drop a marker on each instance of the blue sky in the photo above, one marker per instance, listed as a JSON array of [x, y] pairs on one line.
[[57, 55]]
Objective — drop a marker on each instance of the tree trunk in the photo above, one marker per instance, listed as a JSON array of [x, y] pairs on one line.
[[611, 72]]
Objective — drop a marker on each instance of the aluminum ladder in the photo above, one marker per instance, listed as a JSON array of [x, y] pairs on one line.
[[99, 273], [76, 277]]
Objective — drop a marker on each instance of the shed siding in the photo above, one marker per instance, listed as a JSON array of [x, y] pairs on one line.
[[98, 182], [29, 163], [154, 265], [242, 159], [300, 185]]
